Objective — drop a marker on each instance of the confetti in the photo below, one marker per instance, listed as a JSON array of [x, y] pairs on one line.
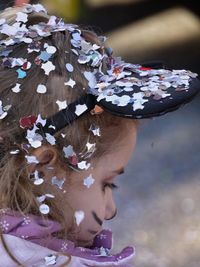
[[50, 260], [88, 181], [68, 151], [27, 122], [83, 165], [69, 67], [58, 182], [80, 109], [22, 17], [37, 179], [14, 152], [44, 209], [95, 130], [40, 120], [21, 74], [79, 216], [41, 89], [16, 88], [31, 159], [50, 139], [61, 104], [48, 67], [70, 83], [51, 49]]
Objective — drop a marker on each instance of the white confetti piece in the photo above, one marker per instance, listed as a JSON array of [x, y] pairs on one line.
[[70, 83], [95, 129], [37, 179], [69, 67], [14, 152], [48, 67], [80, 109], [35, 143], [68, 151], [50, 260], [83, 165], [51, 49], [50, 139], [31, 159], [44, 209], [58, 182], [22, 17], [91, 79], [41, 89], [40, 120], [79, 216], [16, 88], [61, 104], [40, 199], [88, 181]]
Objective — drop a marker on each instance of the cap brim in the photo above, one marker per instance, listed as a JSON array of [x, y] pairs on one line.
[[154, 105]]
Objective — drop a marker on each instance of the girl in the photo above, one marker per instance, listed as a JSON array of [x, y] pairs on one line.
[[69, 115]]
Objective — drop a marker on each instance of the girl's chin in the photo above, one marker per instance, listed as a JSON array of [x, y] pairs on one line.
[[84, 243]]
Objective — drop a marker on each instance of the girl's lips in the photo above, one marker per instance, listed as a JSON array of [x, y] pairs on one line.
[[93, 232]]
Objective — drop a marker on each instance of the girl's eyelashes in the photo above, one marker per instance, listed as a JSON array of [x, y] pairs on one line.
[[110, 185]]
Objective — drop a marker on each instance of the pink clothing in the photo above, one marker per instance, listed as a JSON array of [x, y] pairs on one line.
[[30, 239]]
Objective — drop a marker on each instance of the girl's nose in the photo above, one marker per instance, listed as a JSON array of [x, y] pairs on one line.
[[111, 209]]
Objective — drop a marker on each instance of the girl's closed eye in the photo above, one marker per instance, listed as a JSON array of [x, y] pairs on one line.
[[110, 185]]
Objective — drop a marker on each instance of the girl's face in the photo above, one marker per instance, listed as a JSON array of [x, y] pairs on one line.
[[97, 201]]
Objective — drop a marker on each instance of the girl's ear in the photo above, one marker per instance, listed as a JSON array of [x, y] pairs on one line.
[[47, 157]]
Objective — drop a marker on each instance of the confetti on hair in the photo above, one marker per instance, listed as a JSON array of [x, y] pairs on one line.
[[16, 88], [41, 89], [61, 104], [69, 67], [83, 165], [68, 151], [21, 74], [3, 113], [48, 67], [50, 139], [15, 152], [70, 83], [37, 179], [95, 130], [79, 216], [58, 182], [31, 159], [44, 209], [88, 181], [40, 120]]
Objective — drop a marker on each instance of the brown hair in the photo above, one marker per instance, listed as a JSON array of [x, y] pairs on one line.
[[17, 192]]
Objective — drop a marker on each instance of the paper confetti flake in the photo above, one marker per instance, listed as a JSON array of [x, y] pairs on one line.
[[61, 104], [22, 17], [41, 89], [16, 88], [50, 260], [80, 109], [88, 181], [48, 67], [69, 67], [70, 83], [79, 216], [44, 209]]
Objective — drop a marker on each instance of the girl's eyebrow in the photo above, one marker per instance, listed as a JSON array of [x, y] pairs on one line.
[[119, 171]]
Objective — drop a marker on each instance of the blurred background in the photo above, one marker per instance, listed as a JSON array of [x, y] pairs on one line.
[[159, 195]]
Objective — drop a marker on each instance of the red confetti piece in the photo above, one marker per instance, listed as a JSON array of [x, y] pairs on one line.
[[73, 160], [27, 122], [144, 68]]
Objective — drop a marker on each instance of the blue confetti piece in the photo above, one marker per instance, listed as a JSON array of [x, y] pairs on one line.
[[44, 56], [21, 74]]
